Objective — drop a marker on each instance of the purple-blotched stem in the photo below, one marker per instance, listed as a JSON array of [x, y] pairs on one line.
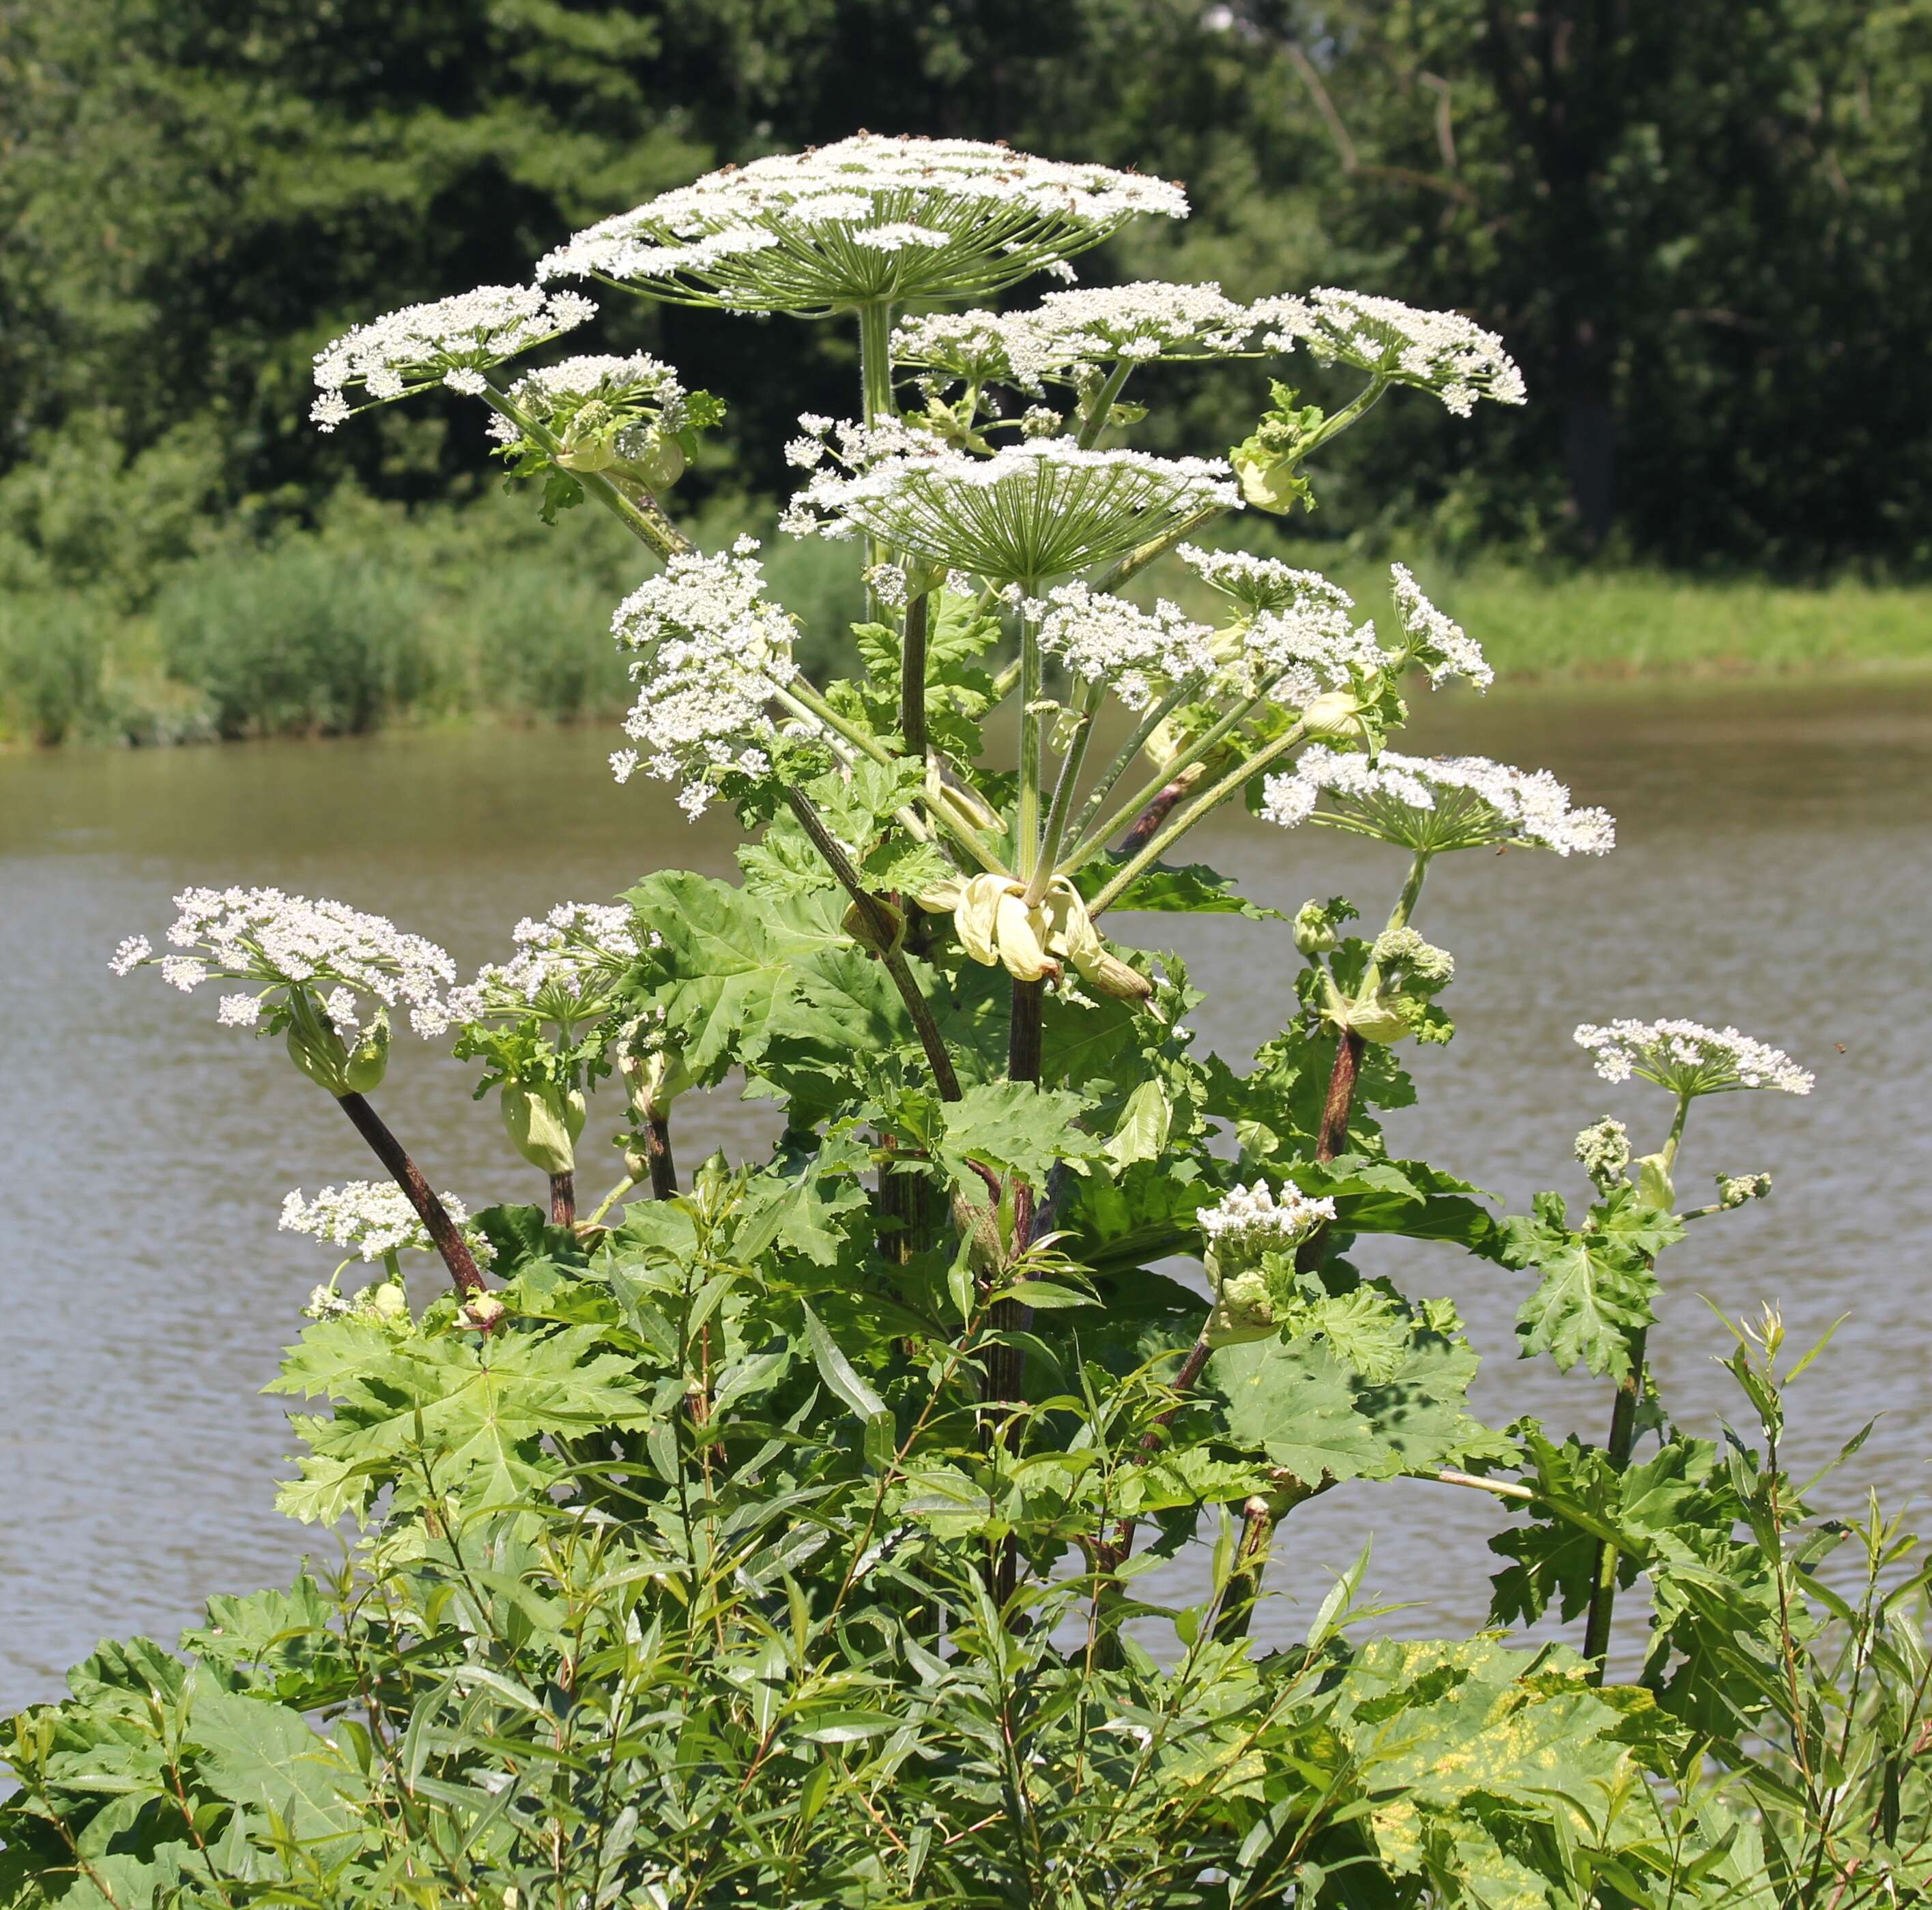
[[443, 1232]]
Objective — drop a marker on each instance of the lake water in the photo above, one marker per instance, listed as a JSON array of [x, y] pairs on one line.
[[1773, 873]]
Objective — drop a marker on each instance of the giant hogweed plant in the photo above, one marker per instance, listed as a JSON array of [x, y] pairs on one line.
[[780, 1533]]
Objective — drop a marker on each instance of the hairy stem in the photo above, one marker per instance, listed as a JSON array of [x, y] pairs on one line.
[[429, 1210], [609, 1201], [1124, 759], [1623, 1437], [1026, 821], [1233, 1611], [563, 1200], [1603, 1572], [658, 1155], [1193, 757], [884, 932], [1005, 1379], [1149, 820], [912, 677]]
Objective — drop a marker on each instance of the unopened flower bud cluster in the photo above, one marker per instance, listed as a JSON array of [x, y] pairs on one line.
[[1248, 1221]]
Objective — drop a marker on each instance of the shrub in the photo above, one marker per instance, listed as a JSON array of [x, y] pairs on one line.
[[295, 639]]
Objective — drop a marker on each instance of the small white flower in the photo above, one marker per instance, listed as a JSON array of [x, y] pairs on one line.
[[134, 950], [338, 955], [1442, 648], [1690, 1059], [565, 969]]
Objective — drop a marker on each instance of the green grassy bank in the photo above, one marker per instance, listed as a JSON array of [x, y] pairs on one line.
[[378, 618]]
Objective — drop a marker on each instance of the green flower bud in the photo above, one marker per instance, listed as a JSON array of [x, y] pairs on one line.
[[1242, 1309], [656, 459], [318, 1051], [388, 1301], [1335, 716], [1315, 932], [1653, 1185], [543, 1122], [1734, 1190]]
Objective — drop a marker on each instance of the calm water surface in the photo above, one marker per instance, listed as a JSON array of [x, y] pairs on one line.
[[1773, 873]]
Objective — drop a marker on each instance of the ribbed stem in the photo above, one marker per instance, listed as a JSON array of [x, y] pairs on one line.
[[563, 1200]]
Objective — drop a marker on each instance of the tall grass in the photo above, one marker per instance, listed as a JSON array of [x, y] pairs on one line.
[[378, 616]]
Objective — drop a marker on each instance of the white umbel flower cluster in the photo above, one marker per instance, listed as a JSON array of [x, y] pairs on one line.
[[857, 446], [1104, 639], [1439, 351], [625, 386], [1306, 649], [374, 1218], [1432, 641], [973, 349], [564, 970], [1690, 1059], [276, 941], [1248, 1221], [869, 219], [1256, 584], [452, 342], [1031, 511], [1101, 325], [1432, 804], [715, 652]]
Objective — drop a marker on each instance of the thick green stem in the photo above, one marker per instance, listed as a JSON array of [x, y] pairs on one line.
[[1099, 835], [875, 398], [875, 360], [1084, 713], [1623, 1438], [1026, 821], [609, 1201], [1094, 421], [1123, 758], [1603, 1575], [1006, 1365], [651, 527], [1210, 799]]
